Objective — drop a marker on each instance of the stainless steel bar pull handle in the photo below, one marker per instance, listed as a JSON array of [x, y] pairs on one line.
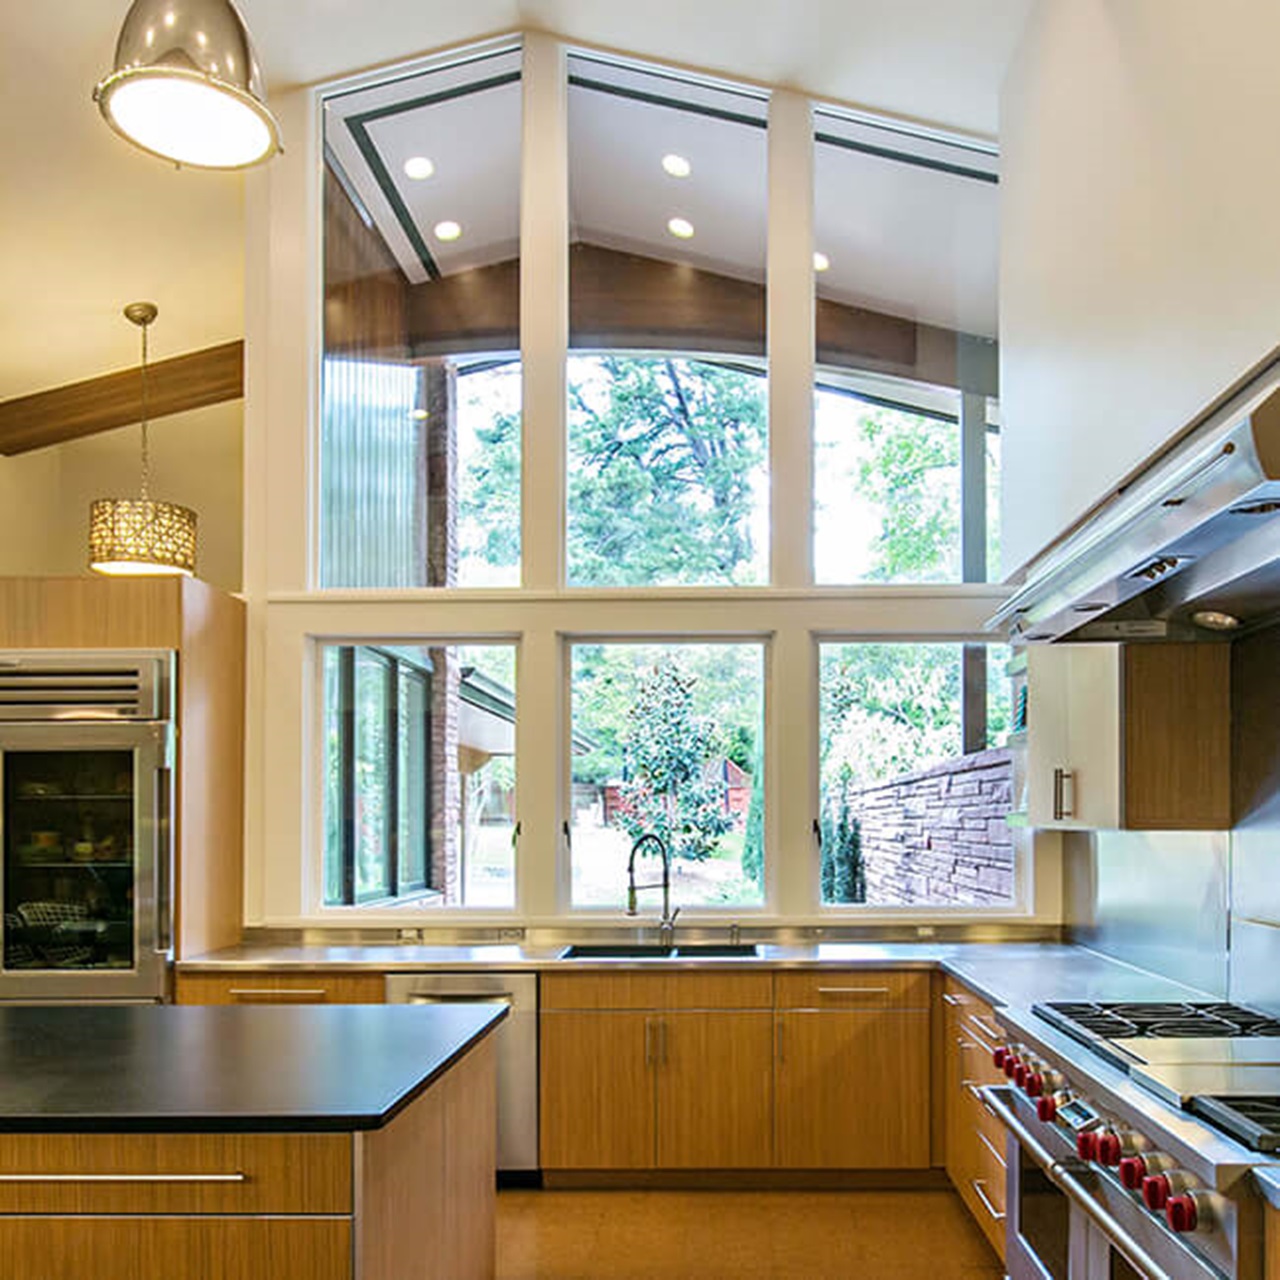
[[853, 991], [164, 862], [1057, 795], [1068, 780], [258, 993], [124, 1177], [979, 1190], [953, 999]]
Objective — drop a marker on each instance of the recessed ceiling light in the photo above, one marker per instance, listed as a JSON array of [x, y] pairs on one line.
[[821, 262], [448, 230], [418, 168], [681, 228], [677, 166], [418, 415], [1215, 620]]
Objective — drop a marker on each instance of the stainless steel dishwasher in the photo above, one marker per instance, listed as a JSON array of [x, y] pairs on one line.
[[517, 1044]]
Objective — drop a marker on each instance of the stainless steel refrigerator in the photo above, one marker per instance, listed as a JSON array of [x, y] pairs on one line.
[[86, 785]]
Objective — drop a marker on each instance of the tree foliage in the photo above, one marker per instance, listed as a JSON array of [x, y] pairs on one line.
[[667, 791], [844, 876]]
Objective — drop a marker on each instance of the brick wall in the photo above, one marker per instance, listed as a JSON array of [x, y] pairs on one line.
[[939, 836]]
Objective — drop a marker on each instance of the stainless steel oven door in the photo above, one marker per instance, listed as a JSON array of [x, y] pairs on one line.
[[1065, 1222]]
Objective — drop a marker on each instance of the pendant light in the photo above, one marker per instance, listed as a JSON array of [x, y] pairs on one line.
[[186, 86], [138, 535]]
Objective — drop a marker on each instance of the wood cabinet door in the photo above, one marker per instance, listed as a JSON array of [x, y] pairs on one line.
[[715, 1090], [853, 1090], [596, 1085]]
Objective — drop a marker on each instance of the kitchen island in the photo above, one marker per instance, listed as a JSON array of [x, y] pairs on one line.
[[331, 1143]]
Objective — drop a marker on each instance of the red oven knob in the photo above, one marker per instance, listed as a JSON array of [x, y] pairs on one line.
[[1020, 1073], [999, 1055], [1087, 1145], [1155, 1192], [1110, 1149], [1033, 1085], [1133, 1169], [1182, 1213], [1010, 1064], [1047, 1108]]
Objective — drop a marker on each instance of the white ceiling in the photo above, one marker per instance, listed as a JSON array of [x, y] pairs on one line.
[[89, 224]]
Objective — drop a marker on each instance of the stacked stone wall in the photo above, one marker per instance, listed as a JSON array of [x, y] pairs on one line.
[[939, 835]]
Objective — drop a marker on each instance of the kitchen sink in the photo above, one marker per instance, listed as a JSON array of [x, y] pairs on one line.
[[711, 950], [616, 951], [656, 951]]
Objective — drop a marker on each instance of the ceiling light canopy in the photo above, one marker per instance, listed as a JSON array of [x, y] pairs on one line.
[[418, 168], [186, 86], [681, 228], [677, 166]]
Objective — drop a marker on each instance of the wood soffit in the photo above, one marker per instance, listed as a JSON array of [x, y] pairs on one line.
[[190, 381]]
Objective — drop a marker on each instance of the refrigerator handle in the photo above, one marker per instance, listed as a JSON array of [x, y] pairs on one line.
[[164, 862]]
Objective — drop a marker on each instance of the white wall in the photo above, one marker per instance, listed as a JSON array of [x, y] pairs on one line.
[[195, 460], [1140, 241]]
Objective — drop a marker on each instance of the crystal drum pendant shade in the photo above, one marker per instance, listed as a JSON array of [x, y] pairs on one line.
[[187, 87], [140, 535]]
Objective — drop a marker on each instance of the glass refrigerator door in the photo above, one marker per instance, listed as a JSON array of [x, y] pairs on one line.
[[83, 831]]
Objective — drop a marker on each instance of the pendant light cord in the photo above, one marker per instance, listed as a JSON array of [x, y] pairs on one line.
[[146, 451]]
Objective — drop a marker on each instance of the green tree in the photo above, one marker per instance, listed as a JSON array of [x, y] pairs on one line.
[[666, 458], [844, 877], [666, 791]]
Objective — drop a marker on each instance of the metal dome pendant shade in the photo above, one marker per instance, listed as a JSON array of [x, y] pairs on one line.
[[140, 535], [187, 87]]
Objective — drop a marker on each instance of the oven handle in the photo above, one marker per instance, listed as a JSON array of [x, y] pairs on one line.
[[1062, 1174]]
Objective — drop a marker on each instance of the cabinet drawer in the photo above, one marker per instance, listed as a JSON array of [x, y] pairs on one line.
[[175, 1248], [853, 989], [210, 1173], [280, 988], [984, 1191], [629, 989]]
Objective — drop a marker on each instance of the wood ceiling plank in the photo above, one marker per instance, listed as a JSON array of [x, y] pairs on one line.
[[184, 382]]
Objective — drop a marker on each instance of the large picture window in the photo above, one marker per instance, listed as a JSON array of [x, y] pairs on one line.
[[419, 775], [637, 471]]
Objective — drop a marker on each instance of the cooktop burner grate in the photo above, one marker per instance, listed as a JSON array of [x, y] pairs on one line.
[[1156, 1020], [1254, 1121]]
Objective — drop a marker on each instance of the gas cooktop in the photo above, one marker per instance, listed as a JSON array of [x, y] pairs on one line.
[[1090, 1022]]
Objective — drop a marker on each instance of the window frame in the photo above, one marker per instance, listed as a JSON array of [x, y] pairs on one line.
[[396, 668], [290, 618]]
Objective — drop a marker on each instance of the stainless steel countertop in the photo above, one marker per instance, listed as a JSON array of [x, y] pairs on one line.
[[1003, 973]]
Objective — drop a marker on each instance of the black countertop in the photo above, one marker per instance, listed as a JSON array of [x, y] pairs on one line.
[[190, 1068]]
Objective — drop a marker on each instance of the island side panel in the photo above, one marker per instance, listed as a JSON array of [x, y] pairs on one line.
[[425, 1184]]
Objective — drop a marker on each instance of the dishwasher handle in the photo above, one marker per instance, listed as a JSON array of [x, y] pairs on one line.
[[453, 997]]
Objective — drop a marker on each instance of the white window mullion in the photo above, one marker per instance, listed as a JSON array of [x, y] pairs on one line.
[[791, 742], [544, 310], [790, 340], [544, 343]]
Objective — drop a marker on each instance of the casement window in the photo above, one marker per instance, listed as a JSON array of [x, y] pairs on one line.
[[419, 774]]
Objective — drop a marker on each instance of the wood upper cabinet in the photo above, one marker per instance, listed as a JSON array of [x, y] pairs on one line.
[[1133, 736], [257, 987], [645, 1070]]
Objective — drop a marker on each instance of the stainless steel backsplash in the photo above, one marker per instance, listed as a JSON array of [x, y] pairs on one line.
[[1159, 900]]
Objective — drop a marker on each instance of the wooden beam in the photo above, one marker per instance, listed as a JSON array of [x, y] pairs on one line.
[[192, 381]]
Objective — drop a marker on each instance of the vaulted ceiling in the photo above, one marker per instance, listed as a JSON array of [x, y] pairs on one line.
[[89, 224]]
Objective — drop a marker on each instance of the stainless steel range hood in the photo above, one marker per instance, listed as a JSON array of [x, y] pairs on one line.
[[1198, 529]]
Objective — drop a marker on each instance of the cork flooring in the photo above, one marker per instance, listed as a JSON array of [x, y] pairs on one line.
[[739, 1235]]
